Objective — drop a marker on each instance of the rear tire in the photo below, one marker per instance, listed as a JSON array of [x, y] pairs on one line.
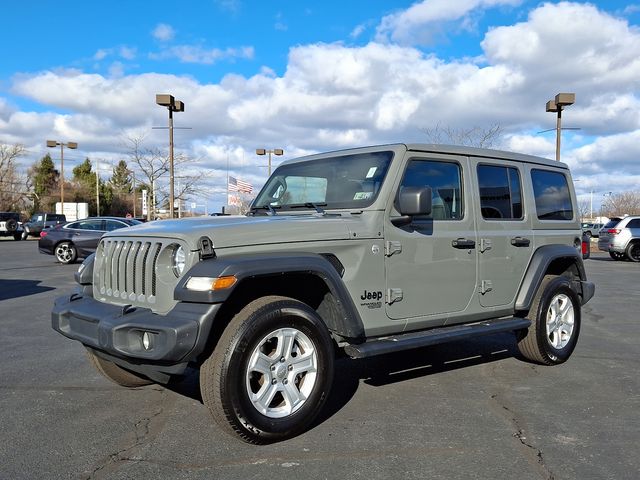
[[116, 373], [270, 372], [555, 323], [11, 225], [633, 251], [17, 236]]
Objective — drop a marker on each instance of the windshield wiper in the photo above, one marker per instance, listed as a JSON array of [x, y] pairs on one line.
[[316, 206], [270, 208]]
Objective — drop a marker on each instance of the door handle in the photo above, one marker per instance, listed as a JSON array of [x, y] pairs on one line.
[[463, 243], [520, 242]]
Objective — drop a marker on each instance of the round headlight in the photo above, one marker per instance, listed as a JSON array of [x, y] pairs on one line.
[[178, 260]]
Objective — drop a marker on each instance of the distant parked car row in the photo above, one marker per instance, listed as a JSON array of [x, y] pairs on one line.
[[621, 238], [79, 239]]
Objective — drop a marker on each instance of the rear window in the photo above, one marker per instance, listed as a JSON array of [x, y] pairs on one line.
[[612, 223], [551, 190], [499, 192]]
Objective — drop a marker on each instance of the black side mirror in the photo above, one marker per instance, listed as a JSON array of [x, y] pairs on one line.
[[412, 201]]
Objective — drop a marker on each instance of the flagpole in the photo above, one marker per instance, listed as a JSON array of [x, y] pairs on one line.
[[226, 200]]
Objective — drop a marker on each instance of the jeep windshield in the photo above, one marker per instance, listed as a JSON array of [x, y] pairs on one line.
[[350, 181]]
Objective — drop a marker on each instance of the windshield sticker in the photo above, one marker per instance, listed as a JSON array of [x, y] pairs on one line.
[[362, 195], [371, 172]]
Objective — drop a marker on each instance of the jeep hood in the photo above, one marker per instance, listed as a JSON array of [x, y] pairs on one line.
[[237, 231]]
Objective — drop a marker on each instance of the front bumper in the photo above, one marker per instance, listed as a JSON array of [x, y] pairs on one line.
[[172, 340]]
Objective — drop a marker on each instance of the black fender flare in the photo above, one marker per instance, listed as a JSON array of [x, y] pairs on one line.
[[538, 267], [348, 324]]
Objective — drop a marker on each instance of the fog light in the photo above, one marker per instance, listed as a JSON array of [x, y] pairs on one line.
[[147, 341]]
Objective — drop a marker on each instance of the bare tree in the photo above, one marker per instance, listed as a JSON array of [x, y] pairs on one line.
[[12, 186], [153, 163], [625, 203], [584, 208], [483, 137]]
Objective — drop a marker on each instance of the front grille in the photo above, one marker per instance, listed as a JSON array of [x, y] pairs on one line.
[[126, 270]]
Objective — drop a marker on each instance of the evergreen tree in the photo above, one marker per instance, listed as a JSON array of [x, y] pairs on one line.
[[84, 183], [121, 179], [44, 177]]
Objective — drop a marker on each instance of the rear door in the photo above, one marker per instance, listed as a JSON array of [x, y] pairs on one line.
[[505, 240]]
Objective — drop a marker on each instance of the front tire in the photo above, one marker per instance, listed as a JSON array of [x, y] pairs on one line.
[[116, 373], [66, 252], [616, 255], [270, 372], [555, 323]]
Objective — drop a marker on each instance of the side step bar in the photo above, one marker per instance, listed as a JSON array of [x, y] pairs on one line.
[[434, 336]]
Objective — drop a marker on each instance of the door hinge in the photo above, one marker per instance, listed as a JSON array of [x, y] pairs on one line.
[[485, 244], [392, 247], [393, 295], [486, 286]]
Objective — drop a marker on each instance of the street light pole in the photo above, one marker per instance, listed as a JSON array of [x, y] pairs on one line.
[[275, 151], [173, 105], [73, 146], [97, 187], [557, 105]]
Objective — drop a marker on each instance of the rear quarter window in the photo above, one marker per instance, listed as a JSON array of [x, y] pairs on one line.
[[551, 190]]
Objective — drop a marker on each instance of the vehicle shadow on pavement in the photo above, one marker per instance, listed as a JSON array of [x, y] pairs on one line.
[[20, 288], [398, 367]]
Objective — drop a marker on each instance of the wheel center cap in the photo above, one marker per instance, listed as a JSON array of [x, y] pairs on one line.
[[281, 372]]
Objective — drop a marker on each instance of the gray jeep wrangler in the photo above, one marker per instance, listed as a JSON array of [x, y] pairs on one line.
[[370, 251]]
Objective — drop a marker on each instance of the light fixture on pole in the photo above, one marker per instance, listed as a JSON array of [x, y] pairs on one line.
[[557, 105], [173, 105], [71, 145], [275, 151]]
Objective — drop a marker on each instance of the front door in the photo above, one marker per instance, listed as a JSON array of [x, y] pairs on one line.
[[431, 263]]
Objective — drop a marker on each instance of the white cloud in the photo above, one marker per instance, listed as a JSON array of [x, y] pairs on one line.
[[128, 53], [198, 54], [357, 31], [163, 32], [423, 20]]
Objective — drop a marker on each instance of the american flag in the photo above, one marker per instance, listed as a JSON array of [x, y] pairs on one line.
[[237, 185]]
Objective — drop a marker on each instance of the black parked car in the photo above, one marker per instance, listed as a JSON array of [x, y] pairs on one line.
[[79, 239]]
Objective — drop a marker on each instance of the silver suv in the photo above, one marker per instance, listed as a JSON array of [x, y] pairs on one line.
[[365, 251], [621, 238]]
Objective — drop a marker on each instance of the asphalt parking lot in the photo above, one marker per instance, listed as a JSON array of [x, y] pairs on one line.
[[463, 410]]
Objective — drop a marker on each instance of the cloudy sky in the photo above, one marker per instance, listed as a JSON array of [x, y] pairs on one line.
[[310, 76]]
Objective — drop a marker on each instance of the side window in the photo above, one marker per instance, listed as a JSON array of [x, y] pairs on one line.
[[635, 223], [500, 193], [553, 201], [112, 225], [87, 225], [445, 181]]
